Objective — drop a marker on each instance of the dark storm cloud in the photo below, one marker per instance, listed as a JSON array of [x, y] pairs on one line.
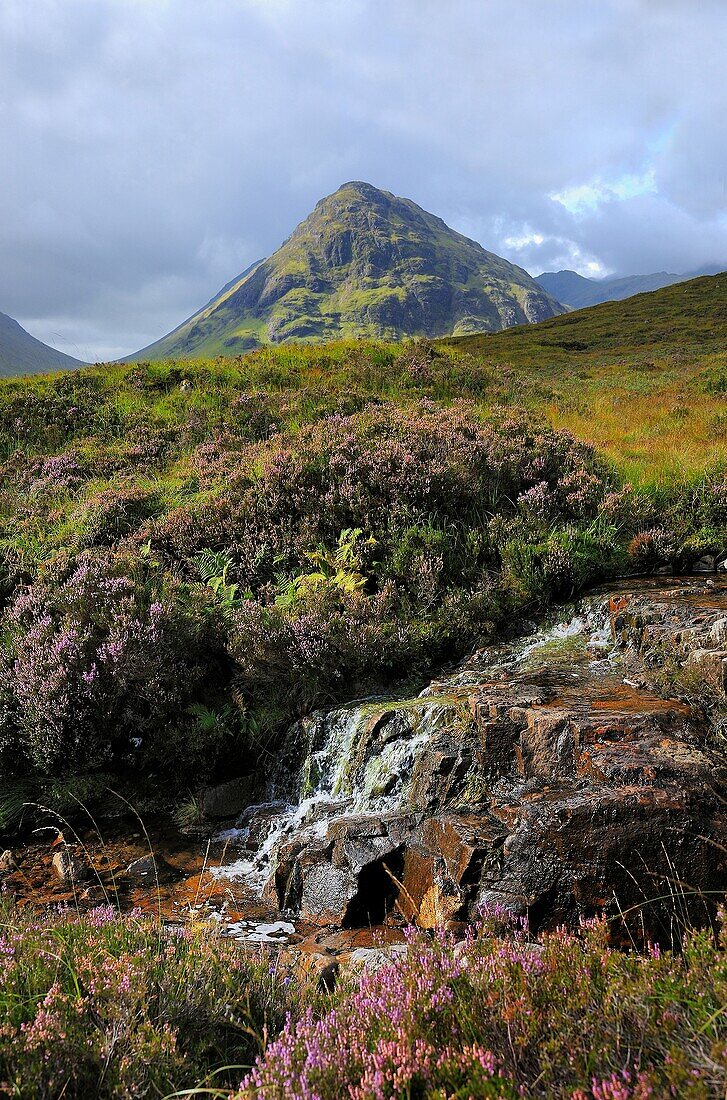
[[151, 149]]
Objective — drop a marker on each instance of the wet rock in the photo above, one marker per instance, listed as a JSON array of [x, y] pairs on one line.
[[705, 564], [8, 862], [552, 787], [589, 850], [438, 907], [361, 840], [227, 799], [349, 877], [150, 869], [439, 773], [325, 893], [69, 868], [498, 733], [260, 810], [445, 859], [255, 823]]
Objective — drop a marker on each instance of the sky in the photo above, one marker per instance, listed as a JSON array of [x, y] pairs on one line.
[[152, 149]]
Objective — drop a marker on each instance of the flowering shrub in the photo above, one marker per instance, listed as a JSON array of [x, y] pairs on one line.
[[57, 473], [501, 1016], [110, 1006], [384, 465], [652, 547], [96, 665], [108, 516], [324, 644], [437, 495], [467, 514]]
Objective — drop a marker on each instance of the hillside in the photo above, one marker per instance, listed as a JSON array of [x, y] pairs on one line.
[[363, 264], [21, 353], [644, 379], [242, 484], [578, 292], [689, 314]]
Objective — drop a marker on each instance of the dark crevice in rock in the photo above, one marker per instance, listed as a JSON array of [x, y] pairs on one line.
[[378, 891]]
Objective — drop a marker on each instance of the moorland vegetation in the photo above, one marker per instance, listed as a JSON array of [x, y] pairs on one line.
[[195, 552]]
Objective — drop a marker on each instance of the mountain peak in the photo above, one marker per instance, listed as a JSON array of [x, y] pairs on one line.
[[366, 190], [21, 353], [364, 263]]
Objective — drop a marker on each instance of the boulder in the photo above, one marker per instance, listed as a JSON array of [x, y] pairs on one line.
[[8, 863], [227, 799], [151, 869], [373, 958], [69, 868]]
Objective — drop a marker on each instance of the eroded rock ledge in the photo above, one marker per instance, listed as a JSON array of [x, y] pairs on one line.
[[544, 778]]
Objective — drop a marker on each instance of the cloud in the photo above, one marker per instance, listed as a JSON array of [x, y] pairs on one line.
[[154, 148], [586, 198]]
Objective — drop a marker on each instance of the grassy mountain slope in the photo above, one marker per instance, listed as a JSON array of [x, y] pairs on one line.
[[578, 292], [21, 353], [364, 264], [645, 379], [182, 330]]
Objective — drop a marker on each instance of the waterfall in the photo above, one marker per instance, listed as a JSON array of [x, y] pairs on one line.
[[359, 758]]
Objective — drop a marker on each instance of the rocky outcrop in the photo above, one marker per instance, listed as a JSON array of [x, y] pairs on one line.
[[554, 788]]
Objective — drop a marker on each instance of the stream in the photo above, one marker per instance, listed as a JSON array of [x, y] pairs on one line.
[[517, 745]]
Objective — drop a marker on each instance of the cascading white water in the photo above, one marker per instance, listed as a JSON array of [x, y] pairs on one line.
[[334, 780], [327, 786]]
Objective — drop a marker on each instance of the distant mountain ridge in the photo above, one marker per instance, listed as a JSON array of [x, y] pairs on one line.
[[21, 353], [364, 263], [578, 292]]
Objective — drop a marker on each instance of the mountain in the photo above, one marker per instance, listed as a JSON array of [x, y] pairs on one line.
[[688, 316], [364, 263], [576, 291], [21, 353]]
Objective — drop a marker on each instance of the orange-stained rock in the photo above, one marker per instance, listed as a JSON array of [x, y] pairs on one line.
[[437, 907]]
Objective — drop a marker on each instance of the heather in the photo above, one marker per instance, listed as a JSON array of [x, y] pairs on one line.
[[109, 1006], [226, 575], [500, 1015], [196, 552], [121, 1006]]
